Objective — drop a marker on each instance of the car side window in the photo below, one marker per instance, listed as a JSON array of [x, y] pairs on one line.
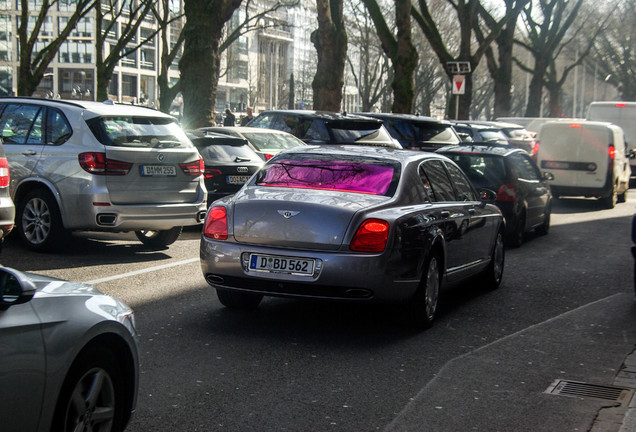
[[316, 131], [439, 182], [58, 130], [464, 190], [524, 168], [16, 122], [36, 136]]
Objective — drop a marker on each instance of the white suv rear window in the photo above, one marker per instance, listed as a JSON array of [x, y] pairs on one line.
[[138, 131]]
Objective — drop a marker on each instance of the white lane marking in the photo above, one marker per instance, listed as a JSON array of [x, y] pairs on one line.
[[146, 270], [412, 404]]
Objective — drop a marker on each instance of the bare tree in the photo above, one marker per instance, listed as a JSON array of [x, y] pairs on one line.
[[614, 55], [400, 49], [369, 70], [166, 17], [330, 40], [35, 53], [116, 25], [549, 33]]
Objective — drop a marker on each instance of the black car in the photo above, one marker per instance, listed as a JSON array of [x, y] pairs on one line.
[[416, 132], [229, 163], [323, 127], [479, 133], [523, 194]]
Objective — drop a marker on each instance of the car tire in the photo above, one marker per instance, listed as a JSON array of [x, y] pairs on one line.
[[493, 274], [159, 239], [515, 238], [621, 198], [238, 300], [609, 202], [39, 222], [93, 394], [544, 228], [422, 307]]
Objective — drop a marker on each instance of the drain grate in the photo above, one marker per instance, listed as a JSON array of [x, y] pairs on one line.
[[585, 390]]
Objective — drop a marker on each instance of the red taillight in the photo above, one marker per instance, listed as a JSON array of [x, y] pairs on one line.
[[612, 152], [216, 224], [506, 193], [371, 236], [268, 156], [4, 172], [621, 105], [211, 172], [535, 150], [575, 125], [194, 169], [98, 164]]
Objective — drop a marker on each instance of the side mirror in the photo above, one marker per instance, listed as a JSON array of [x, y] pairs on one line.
[[487, 196], [632, 154], [548, 176], [14, 288]]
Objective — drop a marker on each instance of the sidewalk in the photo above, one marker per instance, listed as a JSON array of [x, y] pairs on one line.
[[502, 386]]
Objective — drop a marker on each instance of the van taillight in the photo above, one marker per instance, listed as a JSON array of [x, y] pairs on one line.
[[575, 125], [194, 169], [506, 193], [4, 172], [621, 105], [216, 223], [371, 236], [535, 150], [612, 152], [99, 164]]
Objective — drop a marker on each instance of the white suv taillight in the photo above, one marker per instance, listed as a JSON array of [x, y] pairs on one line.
[[4, 172]]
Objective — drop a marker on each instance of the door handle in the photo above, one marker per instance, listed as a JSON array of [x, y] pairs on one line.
[[29, 153], [472, 211], [445, 213]]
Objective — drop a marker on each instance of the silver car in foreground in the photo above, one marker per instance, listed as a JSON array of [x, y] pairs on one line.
[[353, 223], [81, 165], [68, 356]]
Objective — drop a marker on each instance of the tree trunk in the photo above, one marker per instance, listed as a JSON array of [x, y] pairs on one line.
[[535, 90], [503, 77], [330, 40], [405, 60]]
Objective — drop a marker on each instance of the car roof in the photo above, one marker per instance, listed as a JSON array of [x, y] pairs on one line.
[[324, 115], [400, 155], [245, 129], [107, 107], [496, 150], [215, 138], [496, 124], [475, 125], [411, 117]]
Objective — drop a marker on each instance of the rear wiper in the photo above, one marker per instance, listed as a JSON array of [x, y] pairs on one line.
[[164, 143], [241, 159]]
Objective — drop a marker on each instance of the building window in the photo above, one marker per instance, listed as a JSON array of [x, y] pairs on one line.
[[147, 60], [130, 59], [6, 81], [113, 86], [128, 86], [5, 38], [76, 51], [76, 83], [83, 28]]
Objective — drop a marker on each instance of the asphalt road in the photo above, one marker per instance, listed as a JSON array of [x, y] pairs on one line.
[[565, 310]]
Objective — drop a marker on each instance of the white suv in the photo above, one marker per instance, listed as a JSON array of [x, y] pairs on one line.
[[78, 165]]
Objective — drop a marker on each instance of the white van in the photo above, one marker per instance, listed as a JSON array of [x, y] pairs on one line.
[[585, 158], [622, 114]]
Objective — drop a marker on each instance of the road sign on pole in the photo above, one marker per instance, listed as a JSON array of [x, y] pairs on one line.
[[459, 84]]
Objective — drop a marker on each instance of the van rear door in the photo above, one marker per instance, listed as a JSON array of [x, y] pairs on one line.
[[577, 154]]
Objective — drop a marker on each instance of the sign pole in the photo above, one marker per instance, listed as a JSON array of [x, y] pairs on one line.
[[457, 108]]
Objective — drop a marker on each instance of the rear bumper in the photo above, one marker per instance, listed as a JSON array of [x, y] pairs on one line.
[[580, 191], [341, 275], [151, 217]]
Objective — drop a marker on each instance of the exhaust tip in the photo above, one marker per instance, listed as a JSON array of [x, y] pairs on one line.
[[358, 293], [106, 219], [200, 217], [214, 279]]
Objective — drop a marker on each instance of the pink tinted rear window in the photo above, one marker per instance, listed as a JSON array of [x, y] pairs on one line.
[[343, 175]]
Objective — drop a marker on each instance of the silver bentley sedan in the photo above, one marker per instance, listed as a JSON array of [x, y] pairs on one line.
[[353, 223]]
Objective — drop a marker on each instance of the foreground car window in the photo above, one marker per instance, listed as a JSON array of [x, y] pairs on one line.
[[357, 175], [138, 132]]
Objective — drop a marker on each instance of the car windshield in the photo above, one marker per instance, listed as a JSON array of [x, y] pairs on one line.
[[493, 136], [272, 141], [347, 174], [213, 152], [138, 131], [483, 170]]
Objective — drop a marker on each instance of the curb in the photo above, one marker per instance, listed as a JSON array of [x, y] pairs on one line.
[[627, 378]]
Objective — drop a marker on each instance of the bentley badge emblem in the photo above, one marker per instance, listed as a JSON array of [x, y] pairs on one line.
[[287, 213]]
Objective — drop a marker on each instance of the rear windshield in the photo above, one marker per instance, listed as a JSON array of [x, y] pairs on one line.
[[272, 141], [211, 152], [358, 175], [138, 131], [347, 132], [484, 171]]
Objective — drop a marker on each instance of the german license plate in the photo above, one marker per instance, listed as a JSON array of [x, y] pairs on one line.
[[158, 170], [281, 264], [237, 179]]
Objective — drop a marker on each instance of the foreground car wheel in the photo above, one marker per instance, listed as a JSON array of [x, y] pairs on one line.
[[493, 274], [238, 300], [422, 308], [515, 239], [92, 398], [544, 228], [39, 223], [159, 239]]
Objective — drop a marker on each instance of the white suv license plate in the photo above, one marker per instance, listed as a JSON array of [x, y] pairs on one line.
[[158, 170], [280, 264]]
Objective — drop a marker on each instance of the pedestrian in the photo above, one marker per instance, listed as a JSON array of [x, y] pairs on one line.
[[250, 115], [230, 119]]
